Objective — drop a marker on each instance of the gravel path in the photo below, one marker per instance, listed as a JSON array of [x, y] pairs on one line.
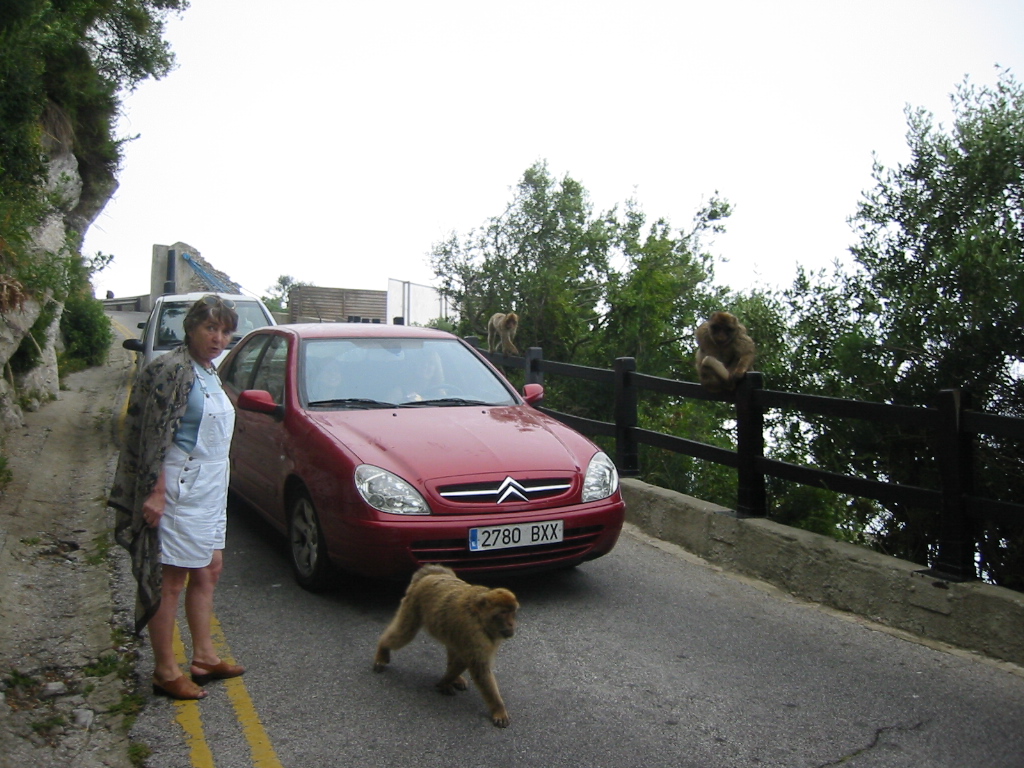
[[66, 651]]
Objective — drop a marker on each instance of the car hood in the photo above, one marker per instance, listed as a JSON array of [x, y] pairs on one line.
[[433, 443]]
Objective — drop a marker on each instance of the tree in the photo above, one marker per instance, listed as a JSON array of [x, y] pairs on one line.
[[662, 292], [277, 294], [62, 67], [942, 251], [592, 287], [546, 258], [936, 301]]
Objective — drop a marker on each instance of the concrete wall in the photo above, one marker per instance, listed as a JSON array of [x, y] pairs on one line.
[[974, 616]]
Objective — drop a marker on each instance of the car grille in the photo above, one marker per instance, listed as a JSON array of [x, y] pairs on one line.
[[455, 552], [508, 490]]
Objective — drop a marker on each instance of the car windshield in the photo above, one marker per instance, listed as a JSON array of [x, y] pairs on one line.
[[170, 324], [375, 373]]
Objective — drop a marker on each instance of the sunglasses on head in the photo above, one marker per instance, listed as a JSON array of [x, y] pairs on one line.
[[215, 300]]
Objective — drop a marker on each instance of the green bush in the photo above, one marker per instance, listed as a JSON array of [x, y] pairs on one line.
[[87, 335]]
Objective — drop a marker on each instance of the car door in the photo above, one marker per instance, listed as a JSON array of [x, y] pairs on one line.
[[237, 376], [259, 448]]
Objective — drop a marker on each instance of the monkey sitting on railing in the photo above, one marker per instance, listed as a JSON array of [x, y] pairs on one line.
[[724, 352], [501, 328]]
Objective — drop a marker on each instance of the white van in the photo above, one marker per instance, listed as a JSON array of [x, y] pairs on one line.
[[164, 330]]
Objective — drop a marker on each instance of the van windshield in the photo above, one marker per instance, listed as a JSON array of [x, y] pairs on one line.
[[170, 330]]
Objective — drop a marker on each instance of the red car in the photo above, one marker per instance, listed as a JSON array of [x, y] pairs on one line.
[[378, 448]]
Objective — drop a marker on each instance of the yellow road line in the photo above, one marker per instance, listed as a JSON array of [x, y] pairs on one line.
[[188, 712], [119, 432], [188, 717], [122, 328], [262, 751]]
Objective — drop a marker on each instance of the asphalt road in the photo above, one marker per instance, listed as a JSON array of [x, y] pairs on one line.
[[647, 657], [643, 658]]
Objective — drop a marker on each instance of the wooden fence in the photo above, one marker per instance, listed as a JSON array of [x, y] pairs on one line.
[[952, 422]]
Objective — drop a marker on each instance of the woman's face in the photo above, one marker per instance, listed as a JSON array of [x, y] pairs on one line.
[[208, 339]]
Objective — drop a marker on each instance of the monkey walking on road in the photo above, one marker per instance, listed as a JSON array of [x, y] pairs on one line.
[[471, 621]]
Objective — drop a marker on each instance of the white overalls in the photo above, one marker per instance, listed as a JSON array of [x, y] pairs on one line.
[[195, 516]]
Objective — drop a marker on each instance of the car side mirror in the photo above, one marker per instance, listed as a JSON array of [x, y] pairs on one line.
[[135, 345], [260, 401], [533, 393]]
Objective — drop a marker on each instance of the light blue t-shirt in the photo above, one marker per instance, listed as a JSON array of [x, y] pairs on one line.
[[188, 431]]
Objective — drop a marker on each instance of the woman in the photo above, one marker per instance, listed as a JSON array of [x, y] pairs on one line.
[[428, 378], [170, 493]]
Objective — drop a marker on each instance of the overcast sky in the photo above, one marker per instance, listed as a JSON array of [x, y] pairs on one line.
[[337, 141]]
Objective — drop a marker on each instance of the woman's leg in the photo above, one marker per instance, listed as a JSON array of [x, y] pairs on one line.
[[202, 583], [161, 626]]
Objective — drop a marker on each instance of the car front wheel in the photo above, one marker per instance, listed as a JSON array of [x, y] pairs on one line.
[[307, 547]]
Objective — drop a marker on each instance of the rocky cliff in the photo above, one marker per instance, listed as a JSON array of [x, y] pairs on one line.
[[63, 231]]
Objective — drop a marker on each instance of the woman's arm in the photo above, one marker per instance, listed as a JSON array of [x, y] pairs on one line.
[[153, 506]]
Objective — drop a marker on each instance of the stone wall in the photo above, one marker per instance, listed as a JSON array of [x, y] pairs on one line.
[[972, 615]]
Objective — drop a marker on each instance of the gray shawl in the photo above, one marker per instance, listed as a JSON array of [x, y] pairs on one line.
[[155, 408]]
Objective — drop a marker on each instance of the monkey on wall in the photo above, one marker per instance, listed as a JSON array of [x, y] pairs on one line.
[[501, 328], [471, 621], [724, 352]]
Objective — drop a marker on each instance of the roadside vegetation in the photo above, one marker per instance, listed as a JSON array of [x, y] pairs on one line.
[[64, 67], [934, 299], [277, 294]]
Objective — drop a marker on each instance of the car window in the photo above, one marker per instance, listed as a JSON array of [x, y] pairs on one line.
[[250, 317], [397, 371], [170, 330], [238, 374], [270, 371]]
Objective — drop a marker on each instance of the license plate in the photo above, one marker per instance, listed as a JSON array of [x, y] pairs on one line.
[[515, 535]]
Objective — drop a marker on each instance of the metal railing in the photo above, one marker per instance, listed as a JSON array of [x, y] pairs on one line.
[[954, 426]]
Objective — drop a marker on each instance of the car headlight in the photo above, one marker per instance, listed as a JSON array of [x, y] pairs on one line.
[[601, 480], [388, 492]]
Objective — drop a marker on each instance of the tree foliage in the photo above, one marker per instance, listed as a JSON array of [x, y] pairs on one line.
[[63, 64], [546, 258], [935, 302], [587, 286], [84, 324], [661, 291], [942, 253], [277, 294]]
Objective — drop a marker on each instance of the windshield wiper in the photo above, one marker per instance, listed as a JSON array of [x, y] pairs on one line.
[[443, 402], [354, 402]]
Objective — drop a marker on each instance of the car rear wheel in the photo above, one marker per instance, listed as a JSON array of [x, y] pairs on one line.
[[307, 547]]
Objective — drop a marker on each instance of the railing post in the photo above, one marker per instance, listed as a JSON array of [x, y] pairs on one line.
[[751, 499], [955, 556], [533, 373], [627, 455]]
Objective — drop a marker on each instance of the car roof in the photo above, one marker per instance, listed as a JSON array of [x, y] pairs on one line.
[[360, 330], [197, 295]]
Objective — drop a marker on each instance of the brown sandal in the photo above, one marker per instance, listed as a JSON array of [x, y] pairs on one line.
[[179, 688], [219, 671]]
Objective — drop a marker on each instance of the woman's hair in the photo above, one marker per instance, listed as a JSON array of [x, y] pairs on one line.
[[211, 307]]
